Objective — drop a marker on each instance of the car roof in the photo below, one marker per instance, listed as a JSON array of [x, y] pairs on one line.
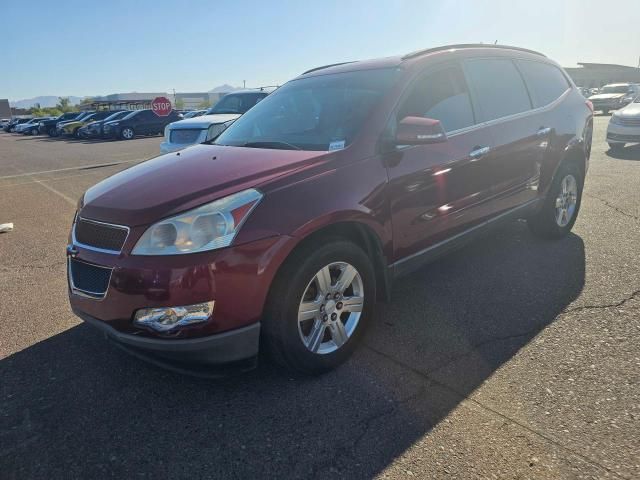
[[390, 62]]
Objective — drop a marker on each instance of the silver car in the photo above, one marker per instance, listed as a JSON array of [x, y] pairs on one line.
[[191, 131]]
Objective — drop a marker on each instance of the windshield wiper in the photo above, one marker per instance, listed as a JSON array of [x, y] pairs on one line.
[[271, 144]]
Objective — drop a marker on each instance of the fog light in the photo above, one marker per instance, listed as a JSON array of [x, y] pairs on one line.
[[168, 318]]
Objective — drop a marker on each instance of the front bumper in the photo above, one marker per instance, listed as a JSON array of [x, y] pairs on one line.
[[192, 356], [237, 278], [608, 105], [623, 133]]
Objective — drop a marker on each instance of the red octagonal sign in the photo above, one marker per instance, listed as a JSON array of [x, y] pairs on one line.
[[161, 106]]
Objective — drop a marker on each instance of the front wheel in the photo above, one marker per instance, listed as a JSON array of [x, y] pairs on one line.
[[319, 307], [127, 133], [561, 206], [34, 131]]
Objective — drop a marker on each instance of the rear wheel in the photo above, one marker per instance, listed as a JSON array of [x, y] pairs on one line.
[[34, 131], [127, 133], [319, 307], [52, 132], [616, 147], [561, 206]]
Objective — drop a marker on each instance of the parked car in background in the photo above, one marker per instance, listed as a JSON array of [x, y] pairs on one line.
[[30, 126], [624, 126], [49, 126], [73, 127], [190, 131], [283, 232], [181, 134], [34, 129], [95, 129], [614, 96], [10, 127], [4, 122], [194, 113], [139, 122], [237, 102], [60, 125]]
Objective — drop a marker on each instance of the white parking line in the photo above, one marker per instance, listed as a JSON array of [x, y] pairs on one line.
[[81, 167]]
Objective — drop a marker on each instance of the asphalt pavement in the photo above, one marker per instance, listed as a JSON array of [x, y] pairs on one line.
[[511, 358]]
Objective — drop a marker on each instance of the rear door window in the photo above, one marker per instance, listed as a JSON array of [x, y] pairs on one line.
[[498, 88], [442, 95], [546, 82]]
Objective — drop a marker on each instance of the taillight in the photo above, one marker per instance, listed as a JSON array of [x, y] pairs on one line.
[[589, 105]]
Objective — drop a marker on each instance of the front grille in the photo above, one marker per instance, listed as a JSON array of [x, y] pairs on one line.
[[629, 121], [99, 235], [184, 135], [623, 138], [91, 280]]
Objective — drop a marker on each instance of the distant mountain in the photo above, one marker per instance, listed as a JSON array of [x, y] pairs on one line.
[[224, 89], [44, 101]]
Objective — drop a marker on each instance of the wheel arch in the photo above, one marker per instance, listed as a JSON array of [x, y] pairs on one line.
[[358, 233]]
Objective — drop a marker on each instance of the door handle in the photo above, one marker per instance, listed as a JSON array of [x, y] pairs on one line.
[[543, 131], [479, 152]]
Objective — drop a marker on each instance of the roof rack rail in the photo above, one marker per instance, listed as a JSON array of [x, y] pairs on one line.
[[327, 66], [419, 53]]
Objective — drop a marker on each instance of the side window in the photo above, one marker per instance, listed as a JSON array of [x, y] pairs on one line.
[[546, 82], [441, 95], [498, 87]]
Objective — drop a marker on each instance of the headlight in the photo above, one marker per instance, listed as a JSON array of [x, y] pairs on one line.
[[209, 227]]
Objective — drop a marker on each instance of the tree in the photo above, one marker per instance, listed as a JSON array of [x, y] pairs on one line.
[[64, 104]]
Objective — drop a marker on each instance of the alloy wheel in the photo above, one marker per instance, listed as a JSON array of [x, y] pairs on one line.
[[566, 200], [330, 308]]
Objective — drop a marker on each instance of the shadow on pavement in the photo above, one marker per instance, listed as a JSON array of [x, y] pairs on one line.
[[631, 152], [76, 407]]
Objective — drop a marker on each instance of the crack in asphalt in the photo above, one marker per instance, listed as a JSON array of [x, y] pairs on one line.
[[464, 397], [613, 207], [352, 445], [621, 303], [427, 375]]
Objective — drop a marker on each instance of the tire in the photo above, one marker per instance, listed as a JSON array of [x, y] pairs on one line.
[[52, 132], [76, 133], [549, 222], [127, 133], [34, 132], [616, 147], [290, 342], [605, 112]]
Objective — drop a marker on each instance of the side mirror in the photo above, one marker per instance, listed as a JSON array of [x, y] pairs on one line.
[[419, 131]]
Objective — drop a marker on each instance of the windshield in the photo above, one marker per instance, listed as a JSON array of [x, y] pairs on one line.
[[317, 113], [131, 114], [615, 89], [115, 116], [228, 104]]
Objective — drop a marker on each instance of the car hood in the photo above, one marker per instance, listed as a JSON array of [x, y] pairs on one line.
[[204, 121], [631, 110], [606, 96], [176, 182]]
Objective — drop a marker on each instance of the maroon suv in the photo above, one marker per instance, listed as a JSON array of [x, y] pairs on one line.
[[283, 231]]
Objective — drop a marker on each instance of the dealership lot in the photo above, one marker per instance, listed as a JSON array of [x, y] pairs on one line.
[[513, 357]]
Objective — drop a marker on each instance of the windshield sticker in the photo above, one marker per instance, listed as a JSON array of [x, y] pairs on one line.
[[336, 145]]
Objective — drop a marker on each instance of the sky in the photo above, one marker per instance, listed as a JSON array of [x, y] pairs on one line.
[[93, 47]]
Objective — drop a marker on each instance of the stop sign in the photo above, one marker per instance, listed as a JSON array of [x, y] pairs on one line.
[[161, 106]]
